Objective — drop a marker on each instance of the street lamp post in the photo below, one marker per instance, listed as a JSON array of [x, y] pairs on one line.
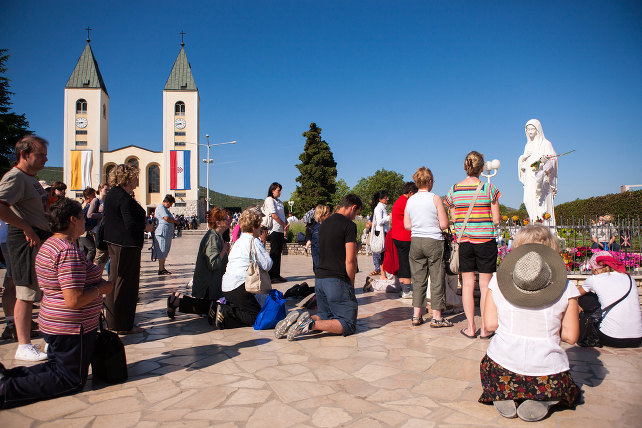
[[208, 161], [492, 167]]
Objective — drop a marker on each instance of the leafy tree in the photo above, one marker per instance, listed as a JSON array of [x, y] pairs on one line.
[[12, 126], [318, 171], [381, 180], [342, 190]]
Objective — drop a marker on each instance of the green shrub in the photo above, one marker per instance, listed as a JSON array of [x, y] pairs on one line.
[[295, 228]]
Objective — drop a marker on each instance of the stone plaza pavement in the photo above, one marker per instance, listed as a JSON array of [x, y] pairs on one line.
[[184, 373]]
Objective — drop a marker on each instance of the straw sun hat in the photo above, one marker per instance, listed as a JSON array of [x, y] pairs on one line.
[[532, 276]]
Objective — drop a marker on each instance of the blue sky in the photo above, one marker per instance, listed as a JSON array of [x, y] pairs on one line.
[[393, 84]]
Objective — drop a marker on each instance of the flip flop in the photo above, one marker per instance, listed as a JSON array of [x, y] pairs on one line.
[[463, 331], [171, 305], [487, 337]]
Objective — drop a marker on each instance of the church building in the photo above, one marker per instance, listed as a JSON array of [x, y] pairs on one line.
[[88, 159]]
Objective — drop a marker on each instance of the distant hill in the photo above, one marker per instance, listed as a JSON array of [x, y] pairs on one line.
[[55, 173]]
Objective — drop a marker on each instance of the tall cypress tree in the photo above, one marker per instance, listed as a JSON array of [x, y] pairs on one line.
[[317, 182]]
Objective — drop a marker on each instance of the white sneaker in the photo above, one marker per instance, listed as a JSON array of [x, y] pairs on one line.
[[29, 352], [406, 294]]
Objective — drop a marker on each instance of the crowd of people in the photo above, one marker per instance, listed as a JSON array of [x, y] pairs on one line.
[[56, 250]]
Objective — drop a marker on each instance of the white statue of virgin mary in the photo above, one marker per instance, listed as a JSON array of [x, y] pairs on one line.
[[537, 170]]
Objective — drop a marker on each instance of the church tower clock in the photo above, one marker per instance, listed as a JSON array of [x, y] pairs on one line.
[[86, 120], [181, 112]]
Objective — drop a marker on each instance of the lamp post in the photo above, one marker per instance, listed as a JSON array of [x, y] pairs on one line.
[[208, 161], [492, 167]]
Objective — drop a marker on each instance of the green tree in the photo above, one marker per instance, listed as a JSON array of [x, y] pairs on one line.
[[317, 182], [342, 190], [12, 126], [381, 180]]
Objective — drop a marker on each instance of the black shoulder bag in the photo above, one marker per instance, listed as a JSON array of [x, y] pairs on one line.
[[590, 323], [109, 362]]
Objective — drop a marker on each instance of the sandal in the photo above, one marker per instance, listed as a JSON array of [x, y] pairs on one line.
[[487, 337], [417, 321], [463, 331], [172, 304], [440, 323]]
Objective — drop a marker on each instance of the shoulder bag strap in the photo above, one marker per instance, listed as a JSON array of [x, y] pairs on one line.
[[609, 307], [470, 210], [251, 249]]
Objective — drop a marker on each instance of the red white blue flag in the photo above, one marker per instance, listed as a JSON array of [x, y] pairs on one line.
[[179, 169]]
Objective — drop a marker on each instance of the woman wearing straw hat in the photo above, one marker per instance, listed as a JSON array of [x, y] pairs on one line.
[[532, 307]]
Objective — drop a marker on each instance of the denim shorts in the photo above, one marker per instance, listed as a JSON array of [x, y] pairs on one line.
[[336, 301]]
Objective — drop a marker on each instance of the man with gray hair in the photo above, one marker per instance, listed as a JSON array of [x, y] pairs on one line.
[[22, 207]]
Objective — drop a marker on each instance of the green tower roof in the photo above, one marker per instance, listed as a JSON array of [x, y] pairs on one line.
[[181, 79], [86, 74]]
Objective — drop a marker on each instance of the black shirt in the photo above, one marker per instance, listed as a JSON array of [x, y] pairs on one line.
[[334, 233], [123, 219]]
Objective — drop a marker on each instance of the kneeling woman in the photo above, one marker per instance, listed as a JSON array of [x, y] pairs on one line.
[[73, 291], [242, 308], [621, 326], [532, 307]]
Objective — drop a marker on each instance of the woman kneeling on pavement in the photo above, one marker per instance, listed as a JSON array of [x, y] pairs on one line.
[[241, 308], [209, 268], [532, 307], [73, 291]]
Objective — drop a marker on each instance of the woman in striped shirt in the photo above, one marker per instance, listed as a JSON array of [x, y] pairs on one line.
[[73, 291], [477, 247]]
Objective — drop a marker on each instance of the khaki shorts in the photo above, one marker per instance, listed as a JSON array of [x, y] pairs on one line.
[[22, 259]]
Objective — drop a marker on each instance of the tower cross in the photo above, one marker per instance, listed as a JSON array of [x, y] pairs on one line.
[[88, 30], [182, 33]]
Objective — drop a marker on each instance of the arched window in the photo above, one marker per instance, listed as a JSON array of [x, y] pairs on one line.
[[81, 106], [107, 171], [153, 179], [132, 162], [179, 108]]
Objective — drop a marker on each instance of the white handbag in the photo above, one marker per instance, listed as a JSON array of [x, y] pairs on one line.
[[267, 220], [257, 280]]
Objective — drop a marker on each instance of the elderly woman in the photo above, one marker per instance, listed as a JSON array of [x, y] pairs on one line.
[[124, 224], [425, 217], [321, 212], [242, 308], [474, 208], [621, 326], [211, 261], [532, 307], [164, 232], [72, 297]]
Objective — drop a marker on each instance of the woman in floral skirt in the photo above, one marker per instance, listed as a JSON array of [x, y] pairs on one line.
[[532, 307]]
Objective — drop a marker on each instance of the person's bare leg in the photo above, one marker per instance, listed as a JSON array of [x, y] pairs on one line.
[[331, 326], [468, 286], [8, 297], [22, 318], [484, 279], [161, 264], [436, 314]]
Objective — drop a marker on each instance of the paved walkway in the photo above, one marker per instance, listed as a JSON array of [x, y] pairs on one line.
[[388, 374]]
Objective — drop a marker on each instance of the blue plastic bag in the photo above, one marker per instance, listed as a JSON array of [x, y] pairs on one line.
[[272, 312]]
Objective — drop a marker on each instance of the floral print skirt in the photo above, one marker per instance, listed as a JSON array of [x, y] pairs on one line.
[[501, 384]]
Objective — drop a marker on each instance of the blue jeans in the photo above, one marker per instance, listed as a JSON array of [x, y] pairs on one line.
[[65, 373], [336, 301]]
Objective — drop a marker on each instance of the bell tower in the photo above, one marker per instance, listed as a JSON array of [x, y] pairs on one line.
[[181, 112], [86, 123]]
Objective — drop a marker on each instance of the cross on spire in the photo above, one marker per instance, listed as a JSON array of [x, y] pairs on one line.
[[88, 30], [182, 33]]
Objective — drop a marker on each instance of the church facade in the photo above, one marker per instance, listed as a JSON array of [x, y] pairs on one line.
[[88, 159]]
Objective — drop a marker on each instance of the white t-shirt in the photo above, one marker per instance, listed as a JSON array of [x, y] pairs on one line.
[[239, 260], [423, 216], [624, 321], [381, 218], [275, 206], [527, 340]]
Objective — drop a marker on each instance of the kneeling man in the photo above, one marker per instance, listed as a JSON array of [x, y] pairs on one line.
[[334, 284]]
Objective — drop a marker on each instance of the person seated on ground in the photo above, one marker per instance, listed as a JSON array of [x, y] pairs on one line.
[[531, 306], [604, 235], [334, 283], [621, 326], [209, 268], [241, 308], [321, 212], [73, 291]]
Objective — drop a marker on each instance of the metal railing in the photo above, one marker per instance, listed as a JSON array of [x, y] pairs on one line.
[[577, 243]]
